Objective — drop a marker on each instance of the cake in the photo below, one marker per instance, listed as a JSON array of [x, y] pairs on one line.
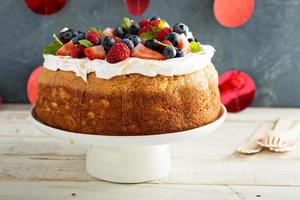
[[137, 79]]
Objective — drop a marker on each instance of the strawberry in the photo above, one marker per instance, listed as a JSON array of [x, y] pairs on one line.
[[93, 37], [140, 51], [95, 52], [69, 49], [145, 29], [162, 33], [184, 43], [117, 53], [155, 22], [108, 32], [144, 22]]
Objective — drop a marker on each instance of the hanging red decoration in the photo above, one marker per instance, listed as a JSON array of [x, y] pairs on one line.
[[137, 7], [45, 7], [237, 90], [233, 13], [32, 85]]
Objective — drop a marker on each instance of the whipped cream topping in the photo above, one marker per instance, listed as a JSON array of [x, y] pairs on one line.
[[176, 66]]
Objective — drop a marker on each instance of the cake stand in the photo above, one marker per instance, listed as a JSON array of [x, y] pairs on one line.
[[128, 159]]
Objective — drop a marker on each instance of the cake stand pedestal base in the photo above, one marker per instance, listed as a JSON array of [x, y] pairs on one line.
[[128, 164], [129, 159]]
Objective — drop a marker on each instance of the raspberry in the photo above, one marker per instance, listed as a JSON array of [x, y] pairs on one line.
[[144, 22], [162, 33], [93, 37], [117, 53]]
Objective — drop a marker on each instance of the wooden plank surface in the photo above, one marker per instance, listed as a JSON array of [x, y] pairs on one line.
[[206, 167]]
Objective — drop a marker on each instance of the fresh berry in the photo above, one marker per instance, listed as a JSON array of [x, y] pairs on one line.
[[162, 33], [135, 39], [69, 49], [145, 29], [95, 52], [117, 53], [128, 42], [67, 35], [119, 32], [140, 51], [93, 37], [181, 28], [179, 53], [167, 42], [164, 44], [108, 32], [184, 43], [144, 22], [152, 44], [173, 38], [134, 29], [155, 18], [169, 52], [155, 23], [107, 43], [76, 39]]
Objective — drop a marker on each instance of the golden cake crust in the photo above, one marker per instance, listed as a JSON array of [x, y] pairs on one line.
[[129, 104]]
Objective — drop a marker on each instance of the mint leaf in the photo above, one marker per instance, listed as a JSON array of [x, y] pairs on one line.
[[126, 23], [147, 35], [86, 43], [195, 46], [52, 48], [56, 39]]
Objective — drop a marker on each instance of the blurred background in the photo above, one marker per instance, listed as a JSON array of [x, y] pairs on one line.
[[267, 47]]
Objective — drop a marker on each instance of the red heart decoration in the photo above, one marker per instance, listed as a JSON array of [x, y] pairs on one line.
[[45, 7], [237, 90], [233, 13], [137, 7], [32, 85]]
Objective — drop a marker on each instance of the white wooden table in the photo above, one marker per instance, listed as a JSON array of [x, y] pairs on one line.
[[36, 166]]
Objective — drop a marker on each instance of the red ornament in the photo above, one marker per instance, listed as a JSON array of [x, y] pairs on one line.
[[233, 13], [45, 7], [237, 90], [32, 85], [137, 7]]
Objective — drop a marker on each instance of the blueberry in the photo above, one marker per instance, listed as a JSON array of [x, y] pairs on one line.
[[190, 39], [134, 29], [181, 28], [80, 36], [135, 39], [153, 44], [67, 35], [169, 52], [108, 42], [173, 38], [128, 42], [100, 42], [119, 32], [154, 18], [127, 35], [179, 52]]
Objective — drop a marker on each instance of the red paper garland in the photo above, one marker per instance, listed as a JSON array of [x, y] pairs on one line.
[[45, 7], [32, 85], [137, 7], [237, 90], [233, 13]]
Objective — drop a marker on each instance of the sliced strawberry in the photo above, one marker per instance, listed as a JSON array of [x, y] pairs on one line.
[[144, 22], [108, 32], [140, 51], [162, 33], [145, 29], [95, 52], [184, 43], [93, 37], [69, 49]]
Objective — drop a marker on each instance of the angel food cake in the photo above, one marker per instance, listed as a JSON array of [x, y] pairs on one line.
[[137, 79]]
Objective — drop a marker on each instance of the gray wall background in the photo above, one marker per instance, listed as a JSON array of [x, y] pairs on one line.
[[267, 47]]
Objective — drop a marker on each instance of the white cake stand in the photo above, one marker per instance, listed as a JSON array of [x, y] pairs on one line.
[[129, 159]]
